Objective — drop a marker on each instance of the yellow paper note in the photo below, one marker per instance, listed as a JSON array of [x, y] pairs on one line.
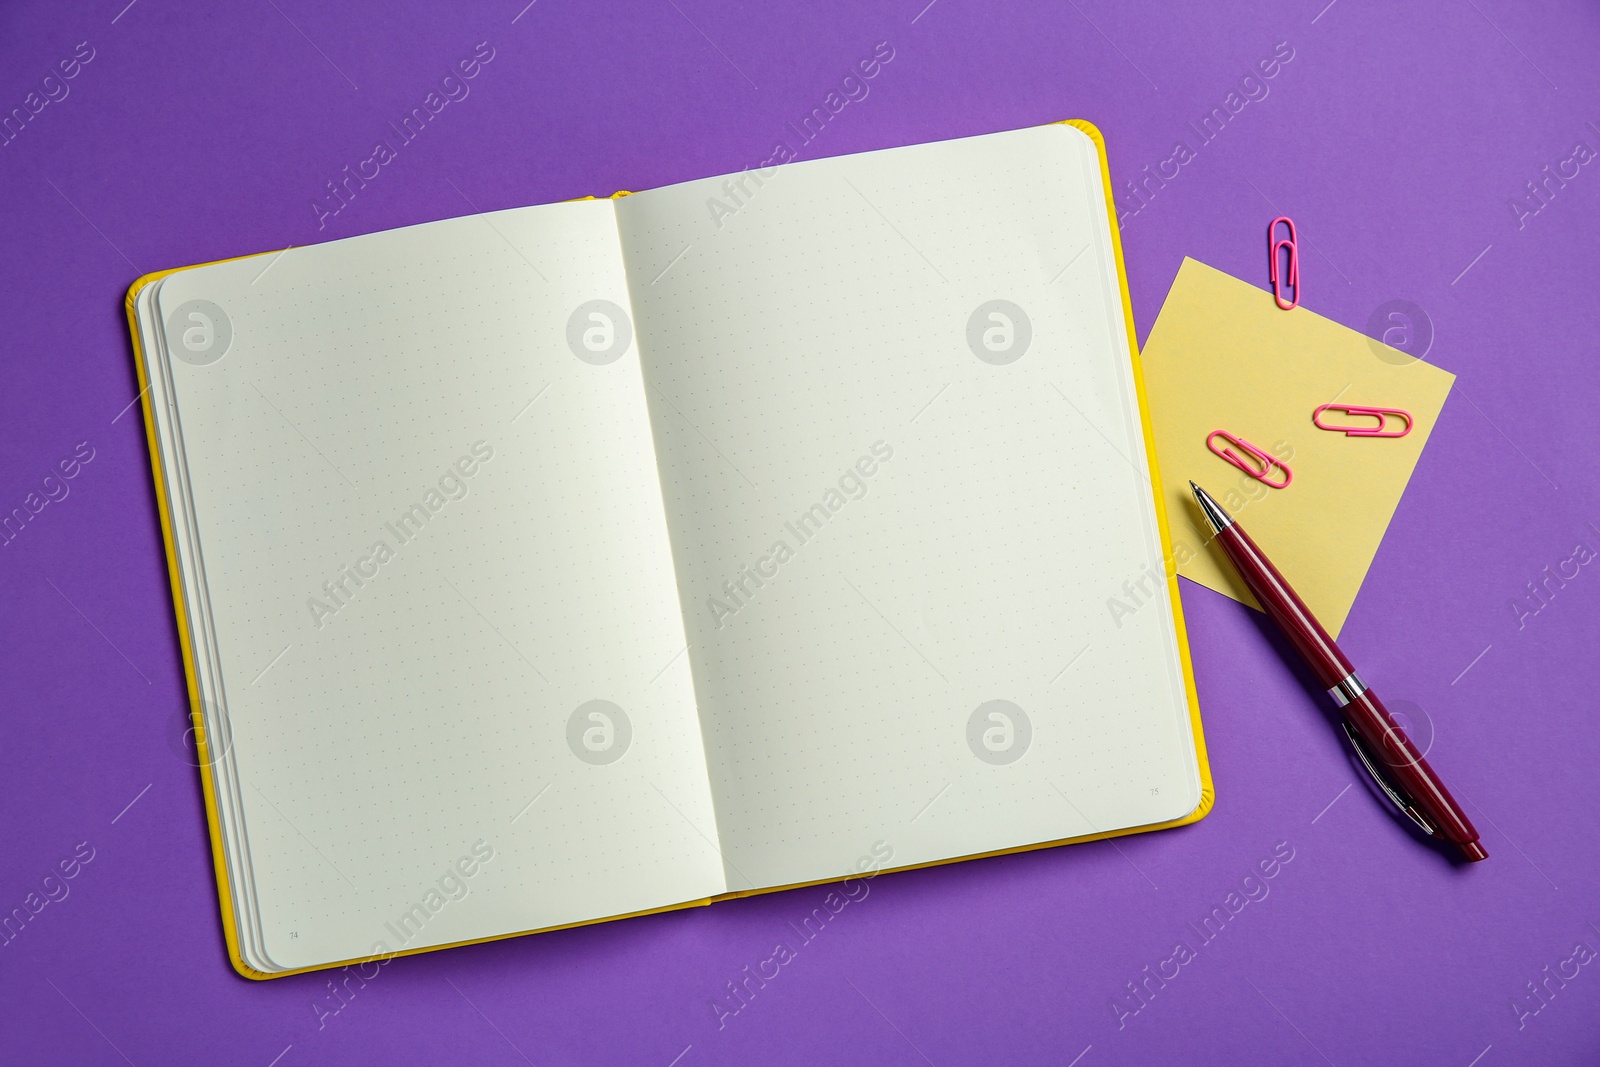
[[1222, 356]]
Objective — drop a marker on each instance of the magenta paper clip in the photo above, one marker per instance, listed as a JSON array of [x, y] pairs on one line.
[[1355, 411], [1266, 462], [1279, 283]]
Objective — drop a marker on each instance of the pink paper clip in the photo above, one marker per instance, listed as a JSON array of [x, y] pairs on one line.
[[1355, 411], [1266, 461], [1274, 243]]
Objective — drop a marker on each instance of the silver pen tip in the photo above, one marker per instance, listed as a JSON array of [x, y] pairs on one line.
[[1218, 518]]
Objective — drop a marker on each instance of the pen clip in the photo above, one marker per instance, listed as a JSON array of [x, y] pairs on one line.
[[1400, 800]]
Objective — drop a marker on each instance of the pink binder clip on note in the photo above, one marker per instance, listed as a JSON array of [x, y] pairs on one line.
[[1288, 276], [1355, 411], [1262, 466]]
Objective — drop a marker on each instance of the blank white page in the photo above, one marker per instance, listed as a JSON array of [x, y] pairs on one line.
[[444, 391], [825, 340]]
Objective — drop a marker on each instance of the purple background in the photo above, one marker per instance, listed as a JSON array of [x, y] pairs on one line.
[[1395, 138]]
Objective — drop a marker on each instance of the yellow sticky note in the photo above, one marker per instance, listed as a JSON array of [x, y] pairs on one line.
[[1222, 356]]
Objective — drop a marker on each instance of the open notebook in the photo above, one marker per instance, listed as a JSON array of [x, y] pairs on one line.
[[576, 561]]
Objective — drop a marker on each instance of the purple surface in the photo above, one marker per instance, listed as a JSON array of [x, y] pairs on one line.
[[1396, 139]]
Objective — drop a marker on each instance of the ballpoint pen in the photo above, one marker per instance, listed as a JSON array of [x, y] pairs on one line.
[[1416, 790]]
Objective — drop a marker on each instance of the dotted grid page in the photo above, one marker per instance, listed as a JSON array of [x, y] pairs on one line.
[[906, 482], [425, 523]]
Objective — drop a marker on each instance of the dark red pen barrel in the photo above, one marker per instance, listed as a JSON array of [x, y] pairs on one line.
[[1384, 739], [1279, 600], [1406, 768]]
